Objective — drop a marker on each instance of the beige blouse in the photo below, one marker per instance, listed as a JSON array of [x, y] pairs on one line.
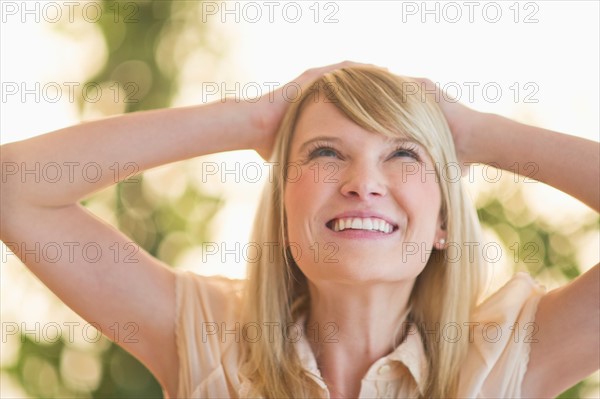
[[208, 334]]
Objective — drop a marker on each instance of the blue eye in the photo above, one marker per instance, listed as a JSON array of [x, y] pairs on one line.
[[406, 152], [323, 152]]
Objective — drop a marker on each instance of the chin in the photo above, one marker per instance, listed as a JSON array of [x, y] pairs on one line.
[[353, 272]]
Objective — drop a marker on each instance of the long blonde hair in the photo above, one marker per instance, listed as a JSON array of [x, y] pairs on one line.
[[276, 290]]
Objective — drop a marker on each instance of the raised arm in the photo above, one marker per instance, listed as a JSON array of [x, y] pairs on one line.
[[568, 318], [111, 149], [96, 270], [101, 274], [568, 163]]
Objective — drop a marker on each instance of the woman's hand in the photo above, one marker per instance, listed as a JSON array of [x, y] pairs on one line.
[[560, 160], [465, 123], [269, 110]]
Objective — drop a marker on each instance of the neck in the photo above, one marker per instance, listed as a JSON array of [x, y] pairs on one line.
[[354, 325]]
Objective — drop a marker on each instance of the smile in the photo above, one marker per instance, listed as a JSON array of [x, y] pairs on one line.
[[369, 224]]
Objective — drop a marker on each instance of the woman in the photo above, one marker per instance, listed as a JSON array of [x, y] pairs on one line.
[[357, 291]]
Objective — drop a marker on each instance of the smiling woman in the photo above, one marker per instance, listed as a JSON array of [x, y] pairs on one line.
[[372, 134], [358, 295]]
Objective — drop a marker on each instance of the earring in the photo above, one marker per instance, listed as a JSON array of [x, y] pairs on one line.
[[440, 243]]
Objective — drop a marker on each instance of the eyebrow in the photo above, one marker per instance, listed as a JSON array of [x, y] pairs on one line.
[[339, 140]]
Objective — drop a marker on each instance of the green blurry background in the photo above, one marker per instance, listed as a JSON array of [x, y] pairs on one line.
[[169, 221]]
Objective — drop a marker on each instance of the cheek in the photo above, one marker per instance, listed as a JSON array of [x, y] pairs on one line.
[[419, 192], [302, 198], [419, 179]]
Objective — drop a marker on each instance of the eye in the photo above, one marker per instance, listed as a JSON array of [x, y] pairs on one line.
[[323, 152], [320, 150], [405, 150]]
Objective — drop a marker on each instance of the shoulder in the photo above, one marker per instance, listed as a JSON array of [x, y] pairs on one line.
[[509, 301], [206, 303], [501, 330], [207, 331], [566, 347], [218, 291], [213, 285]]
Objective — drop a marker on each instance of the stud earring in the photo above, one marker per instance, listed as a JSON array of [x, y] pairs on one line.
[[442, 241]]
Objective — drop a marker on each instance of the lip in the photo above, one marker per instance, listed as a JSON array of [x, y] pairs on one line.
[[363, 214]]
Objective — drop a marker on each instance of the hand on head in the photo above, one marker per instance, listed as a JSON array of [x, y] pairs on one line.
[[271, 107]]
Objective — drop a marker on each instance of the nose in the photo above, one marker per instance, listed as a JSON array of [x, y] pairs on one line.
[[363, 181]]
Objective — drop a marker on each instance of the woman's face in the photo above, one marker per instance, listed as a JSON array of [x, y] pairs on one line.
[[359, 206]]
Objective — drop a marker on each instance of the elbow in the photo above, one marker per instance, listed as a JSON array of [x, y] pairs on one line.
[[10, 181], [30, 177], [9, 187]]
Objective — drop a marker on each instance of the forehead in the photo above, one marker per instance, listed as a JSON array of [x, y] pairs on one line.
[[319, 119], [320, 113]]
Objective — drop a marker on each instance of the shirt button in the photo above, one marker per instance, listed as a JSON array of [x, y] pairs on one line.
[[383, 369]]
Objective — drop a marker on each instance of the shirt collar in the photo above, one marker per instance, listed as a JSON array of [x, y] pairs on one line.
[[409, 352]]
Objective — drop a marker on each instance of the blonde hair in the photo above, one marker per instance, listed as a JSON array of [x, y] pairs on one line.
[[277, 291]]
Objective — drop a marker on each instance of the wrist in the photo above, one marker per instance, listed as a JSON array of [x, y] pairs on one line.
[[480, 145]]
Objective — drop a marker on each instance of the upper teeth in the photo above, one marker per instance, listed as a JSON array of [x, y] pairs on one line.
[[362, 224]]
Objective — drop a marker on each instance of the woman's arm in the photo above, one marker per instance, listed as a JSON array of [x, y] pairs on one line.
[[89, 154], [566, 344], [93, 268], [568, 318], [568, 163]]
